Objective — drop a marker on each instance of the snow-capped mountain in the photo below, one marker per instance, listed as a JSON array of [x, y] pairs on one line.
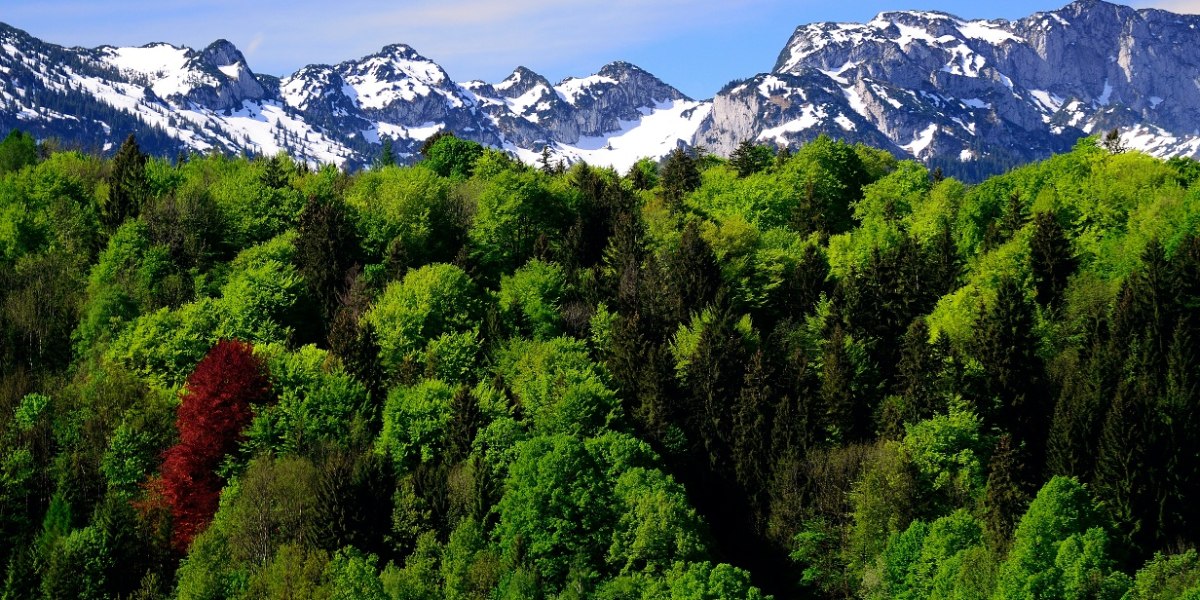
[[974, 97], [178, 99], [977, 96]]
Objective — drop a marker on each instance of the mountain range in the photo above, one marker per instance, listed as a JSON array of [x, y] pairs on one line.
[[971, 97]]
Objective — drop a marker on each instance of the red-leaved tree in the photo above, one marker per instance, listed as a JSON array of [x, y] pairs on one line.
[[215, 407]]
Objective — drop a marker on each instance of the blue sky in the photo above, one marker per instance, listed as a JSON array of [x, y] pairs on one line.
[[695, 45]]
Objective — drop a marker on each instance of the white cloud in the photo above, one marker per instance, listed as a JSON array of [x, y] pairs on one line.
[[254, 44], [1191, 7]]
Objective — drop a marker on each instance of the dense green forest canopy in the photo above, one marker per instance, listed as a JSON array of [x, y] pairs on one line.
[[809, 373]]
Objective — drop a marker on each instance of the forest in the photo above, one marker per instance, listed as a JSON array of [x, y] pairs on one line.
[[816, 372]]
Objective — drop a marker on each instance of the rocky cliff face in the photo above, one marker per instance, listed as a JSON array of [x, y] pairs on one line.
[[973, 97], [955, 92], [230, 81]]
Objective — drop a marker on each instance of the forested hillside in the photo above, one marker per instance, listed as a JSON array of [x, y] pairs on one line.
[[821, 373]]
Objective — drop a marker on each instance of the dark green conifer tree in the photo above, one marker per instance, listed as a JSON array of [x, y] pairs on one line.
[[942, 261], [1086, 385], [881, 300], [1179, 455], [275, 174], [353, 496], [1007, 493], [1013, 385], [680, 175], [17, 151], [466, 421], [1051, 259], [1185, 267], [1146, 309], [690, 275], [750, 158], [917, 396], [794, 424], [326, 247], [846, 419], [1125, 469], [714, 379], [808, 214], [353, 339], [387, 154], [800, 292], [1014, 217], [751, 414], [127, 186]]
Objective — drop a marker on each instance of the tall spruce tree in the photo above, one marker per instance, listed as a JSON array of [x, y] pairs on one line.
[[1014, 217], [1087, 384], [1180, 451], [1125, 465], [916, 394], [1185, 270], [1007, 494], [751, 413], [353, 339], [1013, 384], [275, 172], [326, 247], [750, 158], [1146, 308], [846, 417], [1051, 259], [714, 378], [679, 176], [127, 184], [690, 275], [387, 154]]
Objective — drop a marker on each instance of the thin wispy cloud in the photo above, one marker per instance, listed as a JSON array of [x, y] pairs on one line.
[[488, 34], [1191, 7], [254, 44]]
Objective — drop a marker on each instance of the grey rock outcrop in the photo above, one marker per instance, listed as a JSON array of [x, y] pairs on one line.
[[230, 81]]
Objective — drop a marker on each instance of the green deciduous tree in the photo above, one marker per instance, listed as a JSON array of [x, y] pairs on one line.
[[431, 301], [451, 156], [415, 422], [514, 211], [17, 151], [530, 299], [1062, 533]]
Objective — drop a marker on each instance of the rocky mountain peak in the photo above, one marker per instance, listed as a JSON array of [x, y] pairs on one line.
[[620, 68], [396, 61], [222, 53], [520, 82], [402, 52]]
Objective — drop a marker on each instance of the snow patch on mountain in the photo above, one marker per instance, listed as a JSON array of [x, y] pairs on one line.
[[922, 140], [662, 129], [573, 87]]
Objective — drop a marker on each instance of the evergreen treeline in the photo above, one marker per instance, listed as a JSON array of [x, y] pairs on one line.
[[810, 373]]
